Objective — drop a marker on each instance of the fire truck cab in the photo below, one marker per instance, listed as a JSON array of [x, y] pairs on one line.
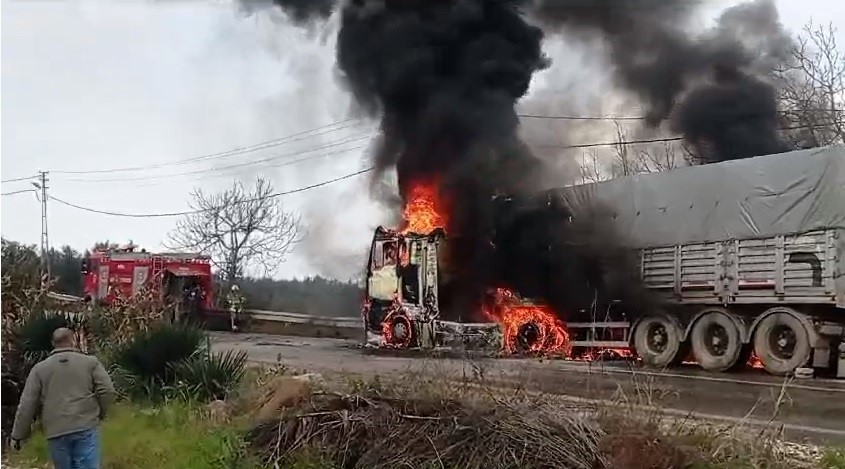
[[124, 272]]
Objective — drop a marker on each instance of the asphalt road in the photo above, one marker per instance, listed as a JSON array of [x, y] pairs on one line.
[[809, 409]]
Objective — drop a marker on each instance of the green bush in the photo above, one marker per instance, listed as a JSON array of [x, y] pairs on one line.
[[207, 377], [35, 335], [145, 366]]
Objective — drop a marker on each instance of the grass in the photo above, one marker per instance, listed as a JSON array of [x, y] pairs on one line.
[[834, 458], [437, 422], [420, 417], [173, 435]]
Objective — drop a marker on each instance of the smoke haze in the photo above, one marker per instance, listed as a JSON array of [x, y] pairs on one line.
[[444, 76]]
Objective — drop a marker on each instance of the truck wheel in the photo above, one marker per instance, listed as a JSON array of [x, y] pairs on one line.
[[399, 332], [657, 341], [716, 341], [781, 343]]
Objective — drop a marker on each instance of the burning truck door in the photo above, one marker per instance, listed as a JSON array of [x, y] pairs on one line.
[[383, 281]]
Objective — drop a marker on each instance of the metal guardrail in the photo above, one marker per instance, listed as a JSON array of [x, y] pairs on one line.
[[278, 316], [262, 315]]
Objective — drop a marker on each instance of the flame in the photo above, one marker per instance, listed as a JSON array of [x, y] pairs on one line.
[[422, 213], [605, 354], [549, 333], [395, 314]]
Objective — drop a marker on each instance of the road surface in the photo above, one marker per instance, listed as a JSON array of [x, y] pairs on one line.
[[811, 409]]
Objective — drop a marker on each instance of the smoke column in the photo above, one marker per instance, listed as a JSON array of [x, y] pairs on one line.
[[726, 109], [443, 77], [299, 11]]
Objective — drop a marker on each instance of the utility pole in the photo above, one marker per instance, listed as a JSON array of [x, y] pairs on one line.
[[45, 240]]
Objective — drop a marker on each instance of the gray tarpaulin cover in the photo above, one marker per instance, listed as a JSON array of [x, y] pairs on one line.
[[757, 197]]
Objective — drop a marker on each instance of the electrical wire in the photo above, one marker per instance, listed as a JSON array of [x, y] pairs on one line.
[[271, 166], [583, 118], [18, 192], [345, 123], [637, 118], [19, 179], [190, 212], [233, 152], [650, 140], [236, 166]]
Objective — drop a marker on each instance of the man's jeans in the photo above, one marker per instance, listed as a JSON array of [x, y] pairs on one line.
[[79, 450]]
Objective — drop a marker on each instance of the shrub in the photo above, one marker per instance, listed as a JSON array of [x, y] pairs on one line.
[[208, 377], [145, 365]]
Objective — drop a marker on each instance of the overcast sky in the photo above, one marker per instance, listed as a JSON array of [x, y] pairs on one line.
[[97, 85]]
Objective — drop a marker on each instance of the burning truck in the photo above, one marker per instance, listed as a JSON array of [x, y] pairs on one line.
[[741, 257]]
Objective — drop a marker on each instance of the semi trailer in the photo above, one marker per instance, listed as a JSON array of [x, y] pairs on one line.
[[743, 257]]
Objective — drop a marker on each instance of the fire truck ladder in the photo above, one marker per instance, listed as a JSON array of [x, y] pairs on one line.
[[158, 267]]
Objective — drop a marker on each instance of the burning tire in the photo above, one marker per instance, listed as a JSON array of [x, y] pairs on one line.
[[527, 337], [397, 331], [657, 341], [781, 342], [716, 341]]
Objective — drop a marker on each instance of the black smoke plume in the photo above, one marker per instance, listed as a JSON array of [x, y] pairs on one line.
[[654, 55], [444, 76], [299, 11], [733, 117], [304, 10]]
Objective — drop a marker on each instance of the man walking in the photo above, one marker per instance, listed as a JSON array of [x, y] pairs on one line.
[[72, 391]]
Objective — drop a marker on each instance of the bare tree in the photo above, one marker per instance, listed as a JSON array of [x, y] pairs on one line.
[[648, 159], [623, 164], [662, 158], [238, 228], [812, 87], [590, 167]]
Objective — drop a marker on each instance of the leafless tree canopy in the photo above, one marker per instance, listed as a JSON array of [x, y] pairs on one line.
[[238, 228], [627, 159], [813, 88]]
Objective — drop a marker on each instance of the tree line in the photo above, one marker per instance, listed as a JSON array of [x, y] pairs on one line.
[[312, 295]]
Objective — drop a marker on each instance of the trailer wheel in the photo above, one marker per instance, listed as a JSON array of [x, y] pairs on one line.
[[716, 341], [657, 341], [781, 343]]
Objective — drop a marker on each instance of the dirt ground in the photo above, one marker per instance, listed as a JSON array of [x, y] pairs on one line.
[[806, 409]]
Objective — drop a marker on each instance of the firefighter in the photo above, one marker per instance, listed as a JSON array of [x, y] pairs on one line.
[[236, 305]]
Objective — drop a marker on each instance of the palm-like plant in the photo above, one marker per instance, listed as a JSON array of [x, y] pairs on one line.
[[145, 365], [207, 377]]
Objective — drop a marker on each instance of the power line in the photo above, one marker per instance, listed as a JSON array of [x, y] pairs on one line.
[[233, 152], [189, 212], [279, 165], [241, 165], [19, 179], [637, 118], [18, 192], [583, 118], [651, 140]]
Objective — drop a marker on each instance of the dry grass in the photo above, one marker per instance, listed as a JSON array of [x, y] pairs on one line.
[[411, 424], [423, 421]]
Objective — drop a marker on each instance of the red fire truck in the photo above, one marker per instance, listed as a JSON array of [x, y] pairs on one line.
[[125, 271]]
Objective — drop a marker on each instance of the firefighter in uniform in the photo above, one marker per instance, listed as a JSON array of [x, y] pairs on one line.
[[236, 305]]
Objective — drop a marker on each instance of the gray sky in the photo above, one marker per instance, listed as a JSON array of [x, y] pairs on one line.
[[92, 85]]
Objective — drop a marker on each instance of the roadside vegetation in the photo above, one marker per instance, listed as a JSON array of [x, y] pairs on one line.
[[181, 405], [317, 295]]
